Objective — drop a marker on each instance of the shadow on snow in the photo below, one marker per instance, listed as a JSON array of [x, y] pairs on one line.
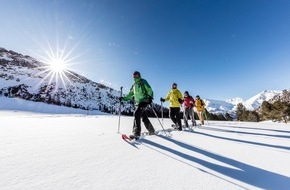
[[251, 128], [245, 133], [248, 174]]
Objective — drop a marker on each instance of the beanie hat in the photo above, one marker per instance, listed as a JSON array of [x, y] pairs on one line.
[[137, 73]]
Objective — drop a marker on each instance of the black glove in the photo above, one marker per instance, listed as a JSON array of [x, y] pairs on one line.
[[162, 100], [120, 99], [180, 101], [191, 105]]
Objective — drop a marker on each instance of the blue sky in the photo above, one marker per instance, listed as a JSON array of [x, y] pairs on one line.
[[216, 49]]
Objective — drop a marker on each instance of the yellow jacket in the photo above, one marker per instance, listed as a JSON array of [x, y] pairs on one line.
[[199, 104], [173, 96]]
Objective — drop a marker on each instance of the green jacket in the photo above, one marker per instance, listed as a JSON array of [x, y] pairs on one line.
[[173, 96], [141, 91]]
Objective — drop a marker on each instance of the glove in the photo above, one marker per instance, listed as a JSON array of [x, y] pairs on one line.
[[149, 100], [162, 99], [191, 105], [120, 99], [180, 101]]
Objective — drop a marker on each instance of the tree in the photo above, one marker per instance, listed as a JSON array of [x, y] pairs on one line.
[[278, 111], [253, 116], [228, 117], [266, 109], [241, 112]]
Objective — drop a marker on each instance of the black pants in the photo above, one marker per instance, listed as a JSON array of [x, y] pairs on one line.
[[175, 117], [139, 113]]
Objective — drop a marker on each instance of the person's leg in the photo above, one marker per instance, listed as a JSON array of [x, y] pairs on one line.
[[147, 122], [172, 115], [199, 113], [137, 122], [191, 115], [178, 118], [185, 116], [202, 119]]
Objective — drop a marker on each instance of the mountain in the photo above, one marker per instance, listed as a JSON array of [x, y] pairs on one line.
[[283, 97], [229, 106], [235, 101], [220, 107], [26, 78], [256, 101]]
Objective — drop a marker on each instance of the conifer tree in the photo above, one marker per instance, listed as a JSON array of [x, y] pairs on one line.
[[240, 112]]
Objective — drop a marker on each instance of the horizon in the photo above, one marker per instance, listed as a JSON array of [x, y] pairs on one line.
[[218, 50]]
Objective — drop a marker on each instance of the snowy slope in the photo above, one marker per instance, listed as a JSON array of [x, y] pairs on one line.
[[256, 101], [16, 105], [79, 152], [219, 106], [235, 101], [26, 78]]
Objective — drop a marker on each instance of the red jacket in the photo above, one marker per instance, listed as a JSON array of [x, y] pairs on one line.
[[188, 102]]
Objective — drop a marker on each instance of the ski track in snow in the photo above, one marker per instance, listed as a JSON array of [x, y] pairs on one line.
[[73, 152]]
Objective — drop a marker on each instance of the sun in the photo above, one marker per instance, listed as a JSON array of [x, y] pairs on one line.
[[58, 66]]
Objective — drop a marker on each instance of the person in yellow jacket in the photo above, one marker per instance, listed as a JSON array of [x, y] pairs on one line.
[[175, 98], [200, 106]]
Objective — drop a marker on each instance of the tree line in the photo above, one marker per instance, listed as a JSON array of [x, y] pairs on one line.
[[276, 111]]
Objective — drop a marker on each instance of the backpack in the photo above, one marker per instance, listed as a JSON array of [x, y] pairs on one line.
[[201, 102]]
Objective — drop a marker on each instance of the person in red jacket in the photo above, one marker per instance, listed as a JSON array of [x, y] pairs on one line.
[[188, 109]]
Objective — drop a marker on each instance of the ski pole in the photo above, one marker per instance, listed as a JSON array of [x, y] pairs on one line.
[[158, 119], [120, 109], [184, 116], [162, 111]]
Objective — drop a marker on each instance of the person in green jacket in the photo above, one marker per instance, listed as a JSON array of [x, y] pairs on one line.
[[175, 98], [142, 93]]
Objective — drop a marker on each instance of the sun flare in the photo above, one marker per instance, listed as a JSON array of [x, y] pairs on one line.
[[57, 66]]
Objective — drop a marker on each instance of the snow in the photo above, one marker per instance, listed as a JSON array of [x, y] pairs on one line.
[[16, 104], [257, 100], [45, 151]]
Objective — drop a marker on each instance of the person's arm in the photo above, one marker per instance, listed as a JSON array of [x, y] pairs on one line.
[[129, 95], [168, 96], [180, 97], [192, 102]]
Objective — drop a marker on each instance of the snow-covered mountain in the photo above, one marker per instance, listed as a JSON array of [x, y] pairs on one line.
[[283, 97], [220, 107], [235, 101], [256, 101], [26, 78], [229, 106]]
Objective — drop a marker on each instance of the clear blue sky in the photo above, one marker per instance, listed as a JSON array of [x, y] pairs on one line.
[[218, 49]]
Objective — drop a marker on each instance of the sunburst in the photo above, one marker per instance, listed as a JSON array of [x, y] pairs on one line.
[[57, 64]]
